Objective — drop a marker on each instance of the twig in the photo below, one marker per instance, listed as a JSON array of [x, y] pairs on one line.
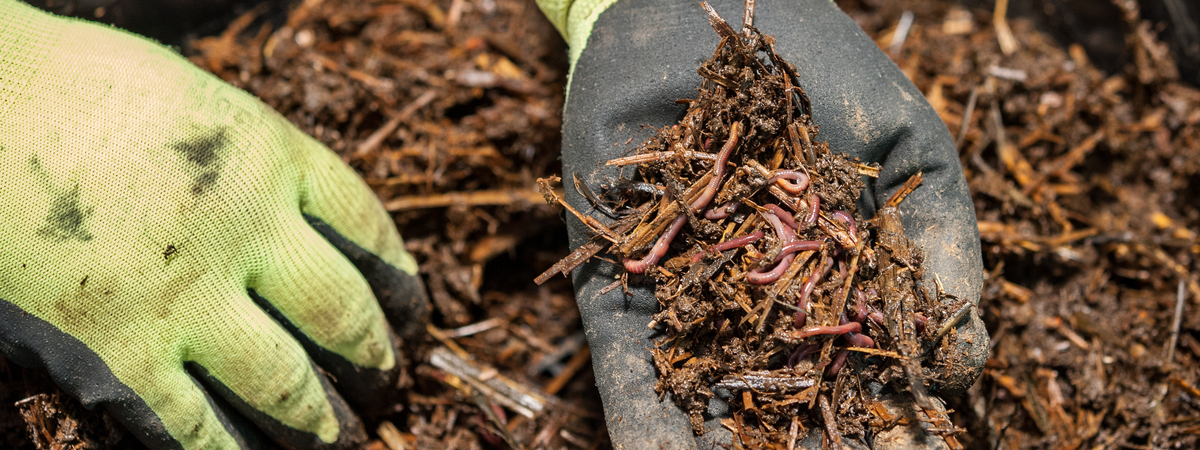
[[901, 33], [472, 198], [951, 322], [477, 327], [966, 118], [391, 436], [375, 139], [835, 438], [792, 432], [525, 401], [1179, 296], [748, 18], [1008, 43], [906, 189], [581, 357], [485, 405], [659, 156]]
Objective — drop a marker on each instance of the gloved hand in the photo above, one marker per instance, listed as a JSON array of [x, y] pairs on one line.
[[177, 252], [632, 59]]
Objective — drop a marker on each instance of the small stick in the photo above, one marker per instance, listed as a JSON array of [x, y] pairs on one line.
[[471, 198], [376, 138], [966, 118], [748, 18], [901, 33], [551, 197], [581, 357], [792, 432], [835, 439], [591, 197], [877, 352], [950, 323], [908, 187], [659, 156], [1179, 296]]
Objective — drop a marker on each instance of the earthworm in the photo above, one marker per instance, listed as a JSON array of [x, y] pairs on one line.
[[664, 241], [807, 288], [783, 232], [861, 308], [817, 331], [859, 340], [797, 188], [777, 217], [845, 217], [802, 351], [732, 243], [710, 191], [758, 276], [658, 250], [783, 215], [875, 316], [800, 246], [839, 361], [814, 209], [722, 211]]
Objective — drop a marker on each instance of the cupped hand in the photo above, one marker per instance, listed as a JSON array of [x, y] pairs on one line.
[[631, 61]]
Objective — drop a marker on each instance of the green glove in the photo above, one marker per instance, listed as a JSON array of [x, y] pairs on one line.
[[176, 251]]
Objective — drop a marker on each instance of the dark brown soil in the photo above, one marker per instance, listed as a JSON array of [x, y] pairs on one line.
[[1084, 185]]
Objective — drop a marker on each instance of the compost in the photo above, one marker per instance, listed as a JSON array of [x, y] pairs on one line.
[[767, 277]]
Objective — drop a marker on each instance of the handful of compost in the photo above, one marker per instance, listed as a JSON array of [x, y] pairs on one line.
[[774, 292]]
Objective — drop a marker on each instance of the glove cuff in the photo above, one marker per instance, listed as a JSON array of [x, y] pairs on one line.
[[574, 20], [26, 35]]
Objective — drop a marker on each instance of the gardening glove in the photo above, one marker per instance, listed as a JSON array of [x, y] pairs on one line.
[[630, 61], [179, 253]]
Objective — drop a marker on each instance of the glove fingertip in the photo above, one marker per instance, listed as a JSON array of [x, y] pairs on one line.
[[401, 294]]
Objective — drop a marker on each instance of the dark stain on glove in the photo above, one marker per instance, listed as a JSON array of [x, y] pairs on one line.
[[203, 153], [67, 217]]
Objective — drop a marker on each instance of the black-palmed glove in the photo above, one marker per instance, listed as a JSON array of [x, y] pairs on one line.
[[632, 59], [173, 250]]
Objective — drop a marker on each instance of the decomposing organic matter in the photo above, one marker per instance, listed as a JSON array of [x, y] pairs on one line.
[[772, 287]]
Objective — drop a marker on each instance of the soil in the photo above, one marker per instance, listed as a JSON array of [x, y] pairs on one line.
[[1083, 182]]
